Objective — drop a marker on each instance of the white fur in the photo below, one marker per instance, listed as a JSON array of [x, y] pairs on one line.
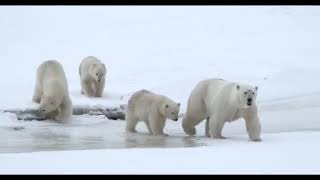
[[92, 76], [151, 108], [51, 91], [220, 101]]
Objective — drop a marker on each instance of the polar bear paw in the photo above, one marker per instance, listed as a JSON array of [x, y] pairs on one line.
[[218, 137], [132, 131], [162, 135], [256, 139]]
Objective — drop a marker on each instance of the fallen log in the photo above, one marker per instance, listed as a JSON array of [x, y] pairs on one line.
[[111, 113]]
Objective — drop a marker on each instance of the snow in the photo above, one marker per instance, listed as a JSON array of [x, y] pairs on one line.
[[167, 50]]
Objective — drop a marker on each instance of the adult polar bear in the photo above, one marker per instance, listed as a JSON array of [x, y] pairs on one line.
[[220, 101], [92, 75], [51, 91]]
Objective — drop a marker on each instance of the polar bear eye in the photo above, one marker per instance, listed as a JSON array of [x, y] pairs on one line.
[[253, 93], [97, 74], [52, 103], [172, 113], [245, 92]]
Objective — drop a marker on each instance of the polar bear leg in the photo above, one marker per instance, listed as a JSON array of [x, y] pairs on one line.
[[207, 128], [87, 88], [37, 94], [100, 88], [148, 126], [163, 124], [253, 128], [189, 123], [215, 127], [188, 127], [157, 125], [65, 111], [131, 125], [131, 122], [196, 112]]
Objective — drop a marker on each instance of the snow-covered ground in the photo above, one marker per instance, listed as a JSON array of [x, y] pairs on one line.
[[165, 49]]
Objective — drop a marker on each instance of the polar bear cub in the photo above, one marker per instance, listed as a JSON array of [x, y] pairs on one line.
[[92, 75], [219, 102], [151, 108], [51, 91]]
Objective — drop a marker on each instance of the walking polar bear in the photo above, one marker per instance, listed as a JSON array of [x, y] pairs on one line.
[[220, 101], [92, 75], [51, 91], [151, 108]]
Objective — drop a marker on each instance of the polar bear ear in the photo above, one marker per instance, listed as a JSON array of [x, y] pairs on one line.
[[167, 105], [238, 87], [178, 104], [256, 88]]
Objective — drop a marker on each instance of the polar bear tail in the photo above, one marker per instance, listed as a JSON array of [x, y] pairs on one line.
[[188, 129]]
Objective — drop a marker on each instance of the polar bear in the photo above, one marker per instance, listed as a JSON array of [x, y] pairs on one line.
[[51, 91], [220, 101], [92, 75], [151, 108]]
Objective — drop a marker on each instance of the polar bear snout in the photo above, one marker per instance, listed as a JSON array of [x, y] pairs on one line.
[[174, 116], [99, 78], [42, 111], [249, 101]]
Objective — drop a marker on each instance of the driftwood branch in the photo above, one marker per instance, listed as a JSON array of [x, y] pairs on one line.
[[110, 113]]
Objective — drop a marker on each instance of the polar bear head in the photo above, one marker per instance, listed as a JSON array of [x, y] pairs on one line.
[[49, 104], [247, 95], [171, 110], [98, 71]]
